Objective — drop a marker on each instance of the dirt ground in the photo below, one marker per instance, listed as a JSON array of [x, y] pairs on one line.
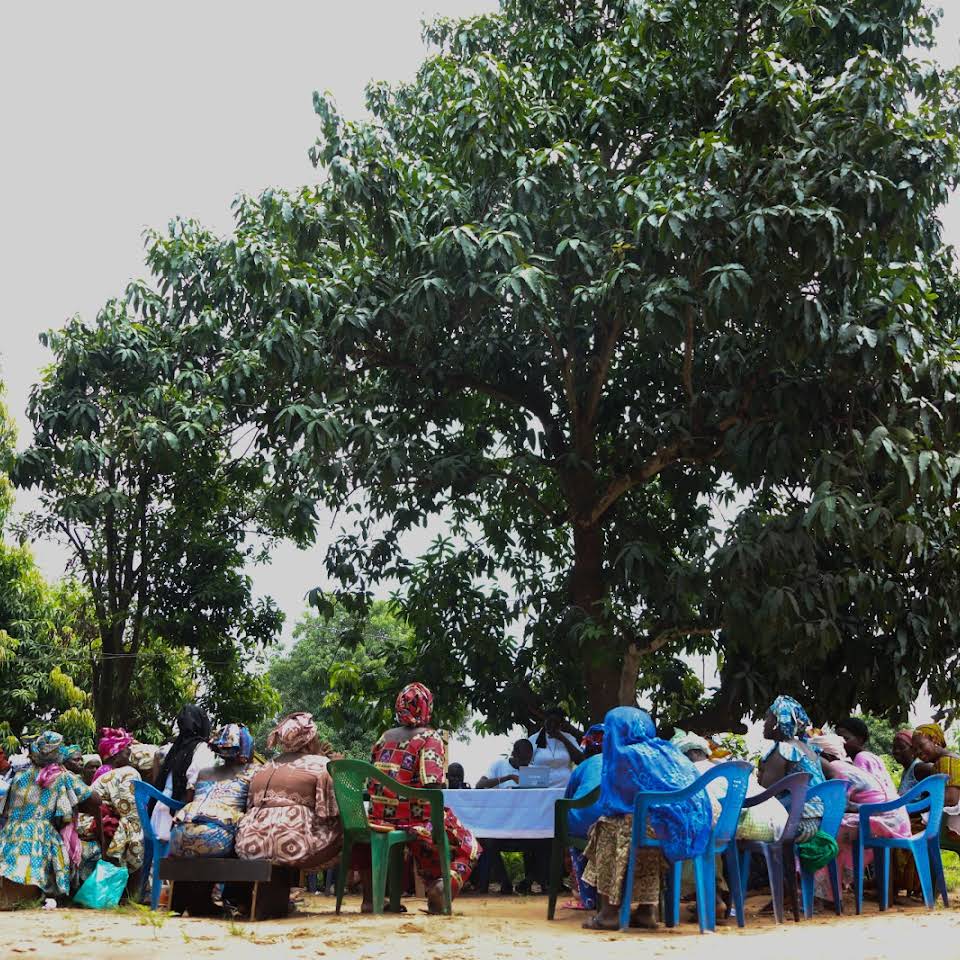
[[482, 927]]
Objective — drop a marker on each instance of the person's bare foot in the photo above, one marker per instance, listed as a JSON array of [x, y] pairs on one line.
[[435, 897], [598, 922], [366, 906], [645, 916]]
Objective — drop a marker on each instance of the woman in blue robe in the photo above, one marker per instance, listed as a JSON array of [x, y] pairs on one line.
[[636, 760]]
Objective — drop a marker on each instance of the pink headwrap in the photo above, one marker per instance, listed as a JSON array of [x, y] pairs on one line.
[[904, 736], [112, 741], [293, 733]]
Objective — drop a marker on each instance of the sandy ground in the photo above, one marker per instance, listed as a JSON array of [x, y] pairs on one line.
[[496, 928]]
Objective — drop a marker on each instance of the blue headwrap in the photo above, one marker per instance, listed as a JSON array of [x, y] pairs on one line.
[[792, 719], [635, 759]]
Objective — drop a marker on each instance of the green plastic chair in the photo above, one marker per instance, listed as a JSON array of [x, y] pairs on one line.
[[350, 778], [562, 840]]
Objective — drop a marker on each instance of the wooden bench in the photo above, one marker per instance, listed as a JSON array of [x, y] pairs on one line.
[[192, 880]]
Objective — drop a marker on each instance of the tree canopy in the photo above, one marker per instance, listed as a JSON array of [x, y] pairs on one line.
[[602, 273], [142, 476]]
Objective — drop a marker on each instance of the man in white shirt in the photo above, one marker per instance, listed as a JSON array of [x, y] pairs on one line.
[[503, 773]]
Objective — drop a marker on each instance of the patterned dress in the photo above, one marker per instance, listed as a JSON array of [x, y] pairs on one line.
[[207, 826], [292, 818], [415, 758], [32, 852], [116, 789]]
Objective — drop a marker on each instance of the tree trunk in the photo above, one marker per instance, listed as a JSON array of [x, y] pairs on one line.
[[111, 696], [588, 589]]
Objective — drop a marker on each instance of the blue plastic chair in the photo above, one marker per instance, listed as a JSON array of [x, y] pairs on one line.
[[737, 775], [833, 793], [154, 850], [926, 796], [777, 853]]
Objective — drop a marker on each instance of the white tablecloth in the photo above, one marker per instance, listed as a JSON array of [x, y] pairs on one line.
[[505, 814]]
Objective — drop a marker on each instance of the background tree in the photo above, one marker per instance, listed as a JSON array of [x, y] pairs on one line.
[[601, 271], [347, 670], [145, 479]]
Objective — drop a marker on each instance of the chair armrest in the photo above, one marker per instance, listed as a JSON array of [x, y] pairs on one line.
[[578, 803], [430, 794], [869, 809]]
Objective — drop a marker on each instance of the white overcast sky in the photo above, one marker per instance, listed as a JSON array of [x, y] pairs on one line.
[[119, 114]]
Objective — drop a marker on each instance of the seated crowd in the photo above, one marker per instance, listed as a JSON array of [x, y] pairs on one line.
[[61, 811]]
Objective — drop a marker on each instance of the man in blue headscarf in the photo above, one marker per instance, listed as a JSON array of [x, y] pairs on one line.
[[635, 760]]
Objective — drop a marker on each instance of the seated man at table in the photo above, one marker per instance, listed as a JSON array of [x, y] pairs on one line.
[[503, 773]]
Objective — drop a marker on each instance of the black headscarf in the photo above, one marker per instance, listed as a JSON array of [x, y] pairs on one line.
[[193, 728]]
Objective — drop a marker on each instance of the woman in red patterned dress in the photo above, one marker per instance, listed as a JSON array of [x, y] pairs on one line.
[[413, 753]]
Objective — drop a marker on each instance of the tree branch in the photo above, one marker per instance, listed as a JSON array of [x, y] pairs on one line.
[[525, 397], [688, 355], [603, 359], [662, 459]]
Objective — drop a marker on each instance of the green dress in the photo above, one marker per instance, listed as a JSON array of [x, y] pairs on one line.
[[31, 850]]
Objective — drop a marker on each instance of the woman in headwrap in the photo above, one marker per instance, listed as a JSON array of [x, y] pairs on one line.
[[91, 764], [635, 759], [763, 822], [114, 783], [181, 765], [930, 746], [585, 779], [788, 726], [207, 825], [292, 818], [43, 798], [862, 787], [414, 754], [71, 756], [914, 769]]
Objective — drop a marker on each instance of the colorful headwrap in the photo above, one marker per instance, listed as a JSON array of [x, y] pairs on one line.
[[70, 752], [232, 742], [932, 731], [593, 738], [792, 719], [45, 749], [904, 736], [112, 741], [45, 752], [294, 732], [685, 742], [414, 705]]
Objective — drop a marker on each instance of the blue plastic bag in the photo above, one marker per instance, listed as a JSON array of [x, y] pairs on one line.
[[104, 887]]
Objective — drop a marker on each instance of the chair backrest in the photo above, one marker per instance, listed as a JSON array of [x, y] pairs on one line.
[[143, 793], [928, 797], [349, 783], [833, 793], [736, 773], [353, 775], [796, 785]]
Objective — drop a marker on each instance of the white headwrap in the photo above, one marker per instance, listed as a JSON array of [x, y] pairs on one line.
[[686, 742], [831, 744]]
